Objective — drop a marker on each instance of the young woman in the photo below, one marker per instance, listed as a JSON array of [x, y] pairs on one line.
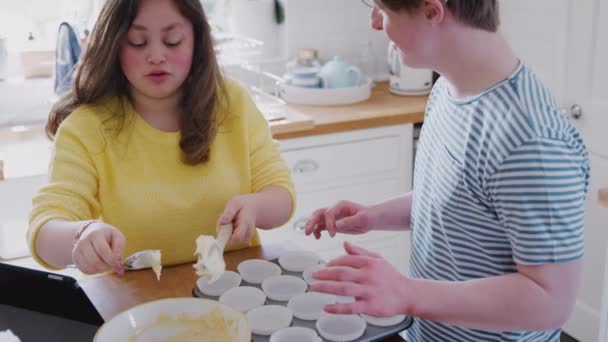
[[153, 147]]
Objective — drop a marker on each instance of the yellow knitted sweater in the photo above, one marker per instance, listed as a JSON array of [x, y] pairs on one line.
[[137, 182]]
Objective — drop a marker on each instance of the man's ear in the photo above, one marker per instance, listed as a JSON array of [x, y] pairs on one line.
[[434, 11]]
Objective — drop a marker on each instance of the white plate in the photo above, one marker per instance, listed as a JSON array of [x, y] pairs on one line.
[[309, 306], [383, 321], [243, 298], [295, 334], [255, 270], [267, 319], [177, 318], [307, 274], [283, 287], [299, 261], [225, 282], [341, 328], [326, 96]]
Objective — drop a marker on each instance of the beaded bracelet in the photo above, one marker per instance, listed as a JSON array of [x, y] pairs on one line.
[[81, 230]]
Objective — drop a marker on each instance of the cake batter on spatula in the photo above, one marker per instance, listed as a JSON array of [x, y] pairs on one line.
[[210, 253]]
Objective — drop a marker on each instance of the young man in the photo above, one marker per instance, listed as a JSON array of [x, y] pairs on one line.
[[497, 208]]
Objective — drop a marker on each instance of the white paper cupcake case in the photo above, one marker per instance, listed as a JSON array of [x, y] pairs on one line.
[[383, 321], [341, 328], [256, 270], [227, 281], [299, 261], [307, 274], [309, 306], [295, 334], [283, 287], [243, 298], [267, 319]]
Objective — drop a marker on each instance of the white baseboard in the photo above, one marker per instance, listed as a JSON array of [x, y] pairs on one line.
[[584, 324]]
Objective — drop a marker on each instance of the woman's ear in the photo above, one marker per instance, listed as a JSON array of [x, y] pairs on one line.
[[434, 11]]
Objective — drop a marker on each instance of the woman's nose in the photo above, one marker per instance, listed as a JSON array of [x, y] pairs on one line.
[[376, 20], [156, 54]]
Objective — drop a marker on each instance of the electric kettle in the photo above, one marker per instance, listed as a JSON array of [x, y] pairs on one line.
[[404, 80]]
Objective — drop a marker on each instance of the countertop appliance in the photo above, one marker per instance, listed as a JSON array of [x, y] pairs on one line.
[[405, 80]]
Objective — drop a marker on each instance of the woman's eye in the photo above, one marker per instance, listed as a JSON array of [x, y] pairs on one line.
[[172, 43], [137, 44]]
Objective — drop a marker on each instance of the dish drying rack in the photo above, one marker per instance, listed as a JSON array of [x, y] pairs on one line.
[[236, 56]]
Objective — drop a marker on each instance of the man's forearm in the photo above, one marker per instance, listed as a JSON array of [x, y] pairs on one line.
[[510, 302], [393, 214], [274, 204]]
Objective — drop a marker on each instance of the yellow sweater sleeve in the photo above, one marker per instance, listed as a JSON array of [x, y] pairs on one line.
[[71, 191], [267, 165]]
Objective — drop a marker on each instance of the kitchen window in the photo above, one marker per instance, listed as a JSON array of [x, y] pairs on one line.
[[28, 40], [28, 36]]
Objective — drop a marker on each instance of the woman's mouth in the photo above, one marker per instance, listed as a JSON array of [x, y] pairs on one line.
[[157, 76]]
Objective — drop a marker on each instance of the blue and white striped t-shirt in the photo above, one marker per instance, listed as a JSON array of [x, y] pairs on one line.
[[500, 180]]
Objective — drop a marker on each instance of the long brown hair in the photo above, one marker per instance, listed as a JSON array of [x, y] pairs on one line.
[[481, 14], [99, 76]]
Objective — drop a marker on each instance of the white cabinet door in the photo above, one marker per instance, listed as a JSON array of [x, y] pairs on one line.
[[566, 43], [16, 203], [587, 71], [341, 159], [585, 322], [364, 166], [398, 242]]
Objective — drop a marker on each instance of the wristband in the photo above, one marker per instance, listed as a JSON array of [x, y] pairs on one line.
[[82, 229]]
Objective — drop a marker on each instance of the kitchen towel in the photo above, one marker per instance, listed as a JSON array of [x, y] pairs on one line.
[[66, 57]]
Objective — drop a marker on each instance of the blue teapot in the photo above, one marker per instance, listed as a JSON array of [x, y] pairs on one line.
[[339, 74]]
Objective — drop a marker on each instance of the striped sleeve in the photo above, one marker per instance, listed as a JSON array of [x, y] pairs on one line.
[[538, 193]]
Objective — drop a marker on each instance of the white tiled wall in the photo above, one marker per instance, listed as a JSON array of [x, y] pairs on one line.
[[335, 28]]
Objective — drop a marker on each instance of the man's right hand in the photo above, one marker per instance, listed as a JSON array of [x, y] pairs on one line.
[[344, 217], [99, 249]]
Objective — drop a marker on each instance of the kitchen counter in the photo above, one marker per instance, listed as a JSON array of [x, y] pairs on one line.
[[112, 294], [381, 109]]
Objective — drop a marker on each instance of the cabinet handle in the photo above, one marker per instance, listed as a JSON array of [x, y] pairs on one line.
[[575, 112], [300, 224], [305, 166]]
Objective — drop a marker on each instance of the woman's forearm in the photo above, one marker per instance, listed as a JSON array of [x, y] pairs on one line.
[[274, 204], [54, 242], [393, 214]]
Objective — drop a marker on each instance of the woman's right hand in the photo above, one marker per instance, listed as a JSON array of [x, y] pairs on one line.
[[344, 217], [99, 249]]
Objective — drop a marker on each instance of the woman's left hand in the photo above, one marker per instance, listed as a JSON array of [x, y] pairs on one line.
[[241, 210], [379, 289]]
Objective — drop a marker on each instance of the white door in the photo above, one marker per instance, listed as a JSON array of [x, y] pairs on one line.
[[566, 43]]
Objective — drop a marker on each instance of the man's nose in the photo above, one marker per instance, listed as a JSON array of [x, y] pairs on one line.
[[376, 20]]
